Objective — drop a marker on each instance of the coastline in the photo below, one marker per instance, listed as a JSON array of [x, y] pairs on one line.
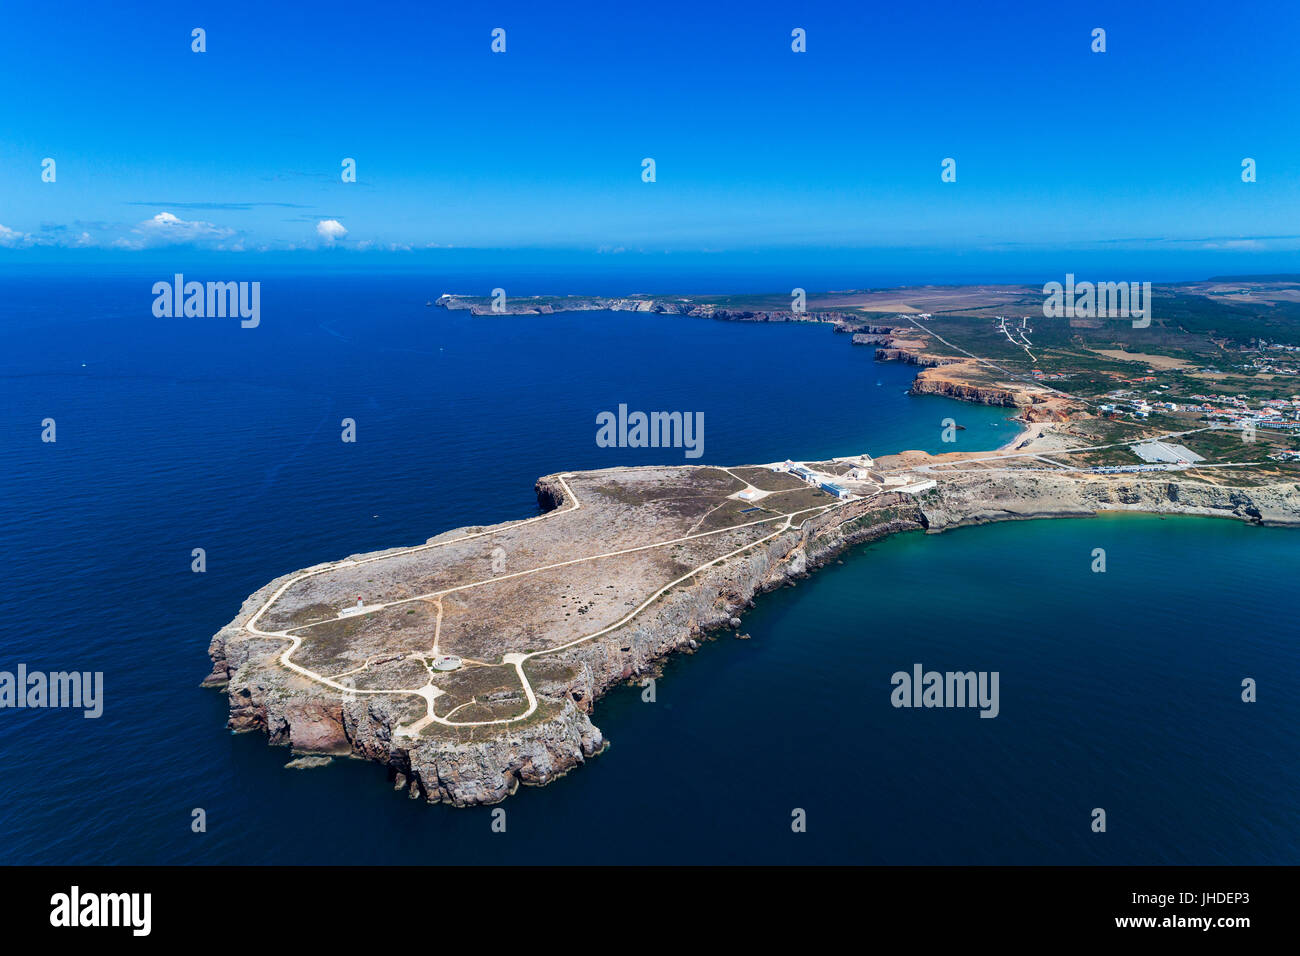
[[959, 376], [483, 771], [482, 761], [1029, 432]]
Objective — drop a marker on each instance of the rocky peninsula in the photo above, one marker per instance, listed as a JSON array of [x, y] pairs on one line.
[[473, 663], [627, 566]]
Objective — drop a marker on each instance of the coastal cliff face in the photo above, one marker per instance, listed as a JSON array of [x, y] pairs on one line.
[[980, 499], [948, 377], [476, 772], [912, 357], [294, 712], [962, 378], [948, 387], [942, 375], [526, 306]]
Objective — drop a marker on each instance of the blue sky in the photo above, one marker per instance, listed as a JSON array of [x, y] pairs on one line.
[[1134, 152]]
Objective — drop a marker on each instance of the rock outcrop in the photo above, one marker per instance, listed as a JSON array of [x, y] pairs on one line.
[[951, 387], [979, 499]]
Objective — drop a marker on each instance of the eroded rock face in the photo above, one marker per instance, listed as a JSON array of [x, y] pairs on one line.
[[913, 357], [962, 391], [977, 499], [488, 772], [316, 726]]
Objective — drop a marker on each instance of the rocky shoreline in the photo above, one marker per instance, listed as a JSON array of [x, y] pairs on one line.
[[889, 344], [487, 771], [291, 711], [536, 305]]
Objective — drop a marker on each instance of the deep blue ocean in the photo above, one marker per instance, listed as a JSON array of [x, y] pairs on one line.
[[1118, 690]]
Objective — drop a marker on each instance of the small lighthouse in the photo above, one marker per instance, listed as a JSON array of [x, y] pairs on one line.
[[358, 608]]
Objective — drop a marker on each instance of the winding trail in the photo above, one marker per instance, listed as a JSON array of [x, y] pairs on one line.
[[429, 692]]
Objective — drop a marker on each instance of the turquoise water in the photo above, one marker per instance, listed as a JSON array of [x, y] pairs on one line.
[[1118, 690]]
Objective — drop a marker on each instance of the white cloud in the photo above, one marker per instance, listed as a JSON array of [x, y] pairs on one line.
[[1234, 244], [367, 244], [166, 229], [330, 230], [13, 239], [56, 237]]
